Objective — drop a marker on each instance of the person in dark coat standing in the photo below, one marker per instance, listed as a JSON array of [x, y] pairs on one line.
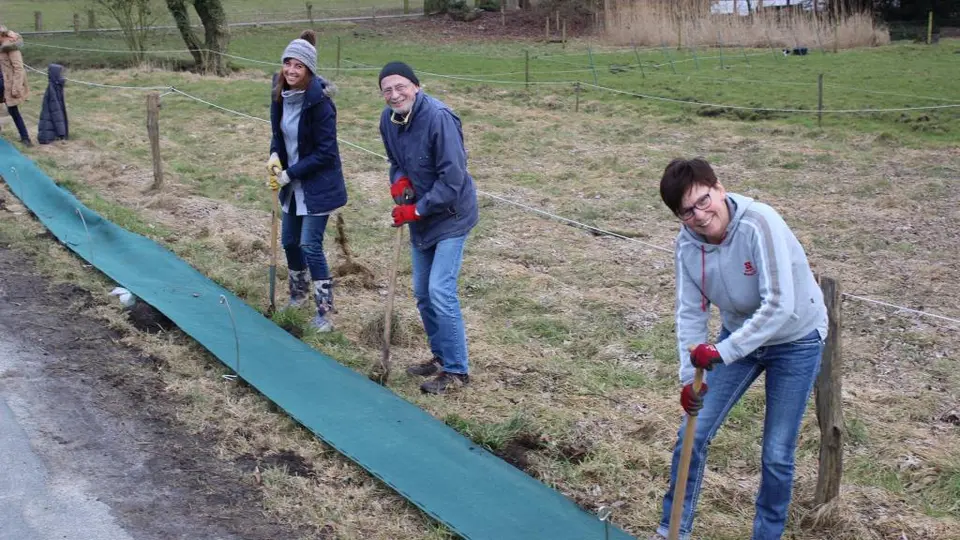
[[424, 142], [53, 115], [311, 184]]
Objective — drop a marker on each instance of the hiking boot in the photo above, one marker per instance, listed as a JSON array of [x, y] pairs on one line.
[[299, 283], [321, 324], [27, 143], [444, 383], [425, 369]]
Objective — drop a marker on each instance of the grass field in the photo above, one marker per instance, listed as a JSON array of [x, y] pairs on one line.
[[571, 334]]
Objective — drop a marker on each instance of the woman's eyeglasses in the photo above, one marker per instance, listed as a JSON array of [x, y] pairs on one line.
[[702, 203]]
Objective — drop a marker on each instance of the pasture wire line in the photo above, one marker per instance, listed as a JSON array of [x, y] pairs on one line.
[[799, 83], [479, 79], [526, 207], [901, 308], [770, 109], [101, 85], [215, 106], [264, 120], [108, 51]]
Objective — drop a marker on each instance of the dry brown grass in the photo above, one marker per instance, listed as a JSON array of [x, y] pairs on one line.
[[645, 23], [574, 330]]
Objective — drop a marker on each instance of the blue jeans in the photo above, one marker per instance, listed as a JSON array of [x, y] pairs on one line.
[[435, 273], [791, 371], [302, 239], [18, 121]]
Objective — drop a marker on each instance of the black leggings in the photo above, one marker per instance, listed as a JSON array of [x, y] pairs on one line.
[[18, 120]]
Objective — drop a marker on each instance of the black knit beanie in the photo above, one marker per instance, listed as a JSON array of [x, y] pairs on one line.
[[398, 68]]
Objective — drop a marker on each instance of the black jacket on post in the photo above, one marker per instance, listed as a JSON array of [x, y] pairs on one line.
[[53, 115]]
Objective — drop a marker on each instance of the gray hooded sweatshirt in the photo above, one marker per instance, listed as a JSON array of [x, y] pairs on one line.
[[759, 279]]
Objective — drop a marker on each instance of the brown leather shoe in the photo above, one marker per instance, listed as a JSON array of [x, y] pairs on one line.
[[444, 383], [426, 369]]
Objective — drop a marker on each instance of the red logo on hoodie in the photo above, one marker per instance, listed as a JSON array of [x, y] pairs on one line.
[[748, 269]]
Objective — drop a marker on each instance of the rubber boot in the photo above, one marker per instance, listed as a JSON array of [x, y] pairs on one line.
[[323, 294], [299, 283]]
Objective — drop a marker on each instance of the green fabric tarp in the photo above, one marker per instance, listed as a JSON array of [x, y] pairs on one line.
[[449, 477]]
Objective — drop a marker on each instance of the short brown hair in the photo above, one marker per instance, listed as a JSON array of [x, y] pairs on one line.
[[682, 174]]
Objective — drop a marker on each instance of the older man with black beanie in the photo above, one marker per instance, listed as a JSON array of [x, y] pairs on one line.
[[424, 142]]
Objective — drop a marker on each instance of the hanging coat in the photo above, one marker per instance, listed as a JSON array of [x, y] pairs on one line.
[[53, 116], [15, 89]]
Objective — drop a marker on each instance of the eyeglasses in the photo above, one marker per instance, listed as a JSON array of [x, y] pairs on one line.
[[398, 89], [702, 203]]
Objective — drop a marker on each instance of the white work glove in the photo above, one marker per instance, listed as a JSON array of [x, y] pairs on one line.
[[273, 164]]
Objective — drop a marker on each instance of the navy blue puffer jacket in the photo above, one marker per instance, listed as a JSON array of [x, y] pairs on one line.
[[53, 115]]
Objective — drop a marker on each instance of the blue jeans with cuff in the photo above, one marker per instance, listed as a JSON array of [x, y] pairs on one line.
[[791, 370], [435, 274]]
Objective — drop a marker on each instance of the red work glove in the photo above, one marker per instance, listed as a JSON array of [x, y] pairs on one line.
[[692, 401], [704, 356], [404, 213], [402, 190]]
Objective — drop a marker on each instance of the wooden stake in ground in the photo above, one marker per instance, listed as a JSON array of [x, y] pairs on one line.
[[380, 373], [683, 468], [153, 132], [829, 402], [350, 267]]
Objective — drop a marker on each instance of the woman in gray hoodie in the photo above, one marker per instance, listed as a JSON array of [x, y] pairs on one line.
[[739, 255]]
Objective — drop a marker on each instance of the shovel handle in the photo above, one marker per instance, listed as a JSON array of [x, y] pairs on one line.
[[683, 471], [274, 226]]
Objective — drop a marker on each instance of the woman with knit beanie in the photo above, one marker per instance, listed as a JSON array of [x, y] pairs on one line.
[[311, 185]]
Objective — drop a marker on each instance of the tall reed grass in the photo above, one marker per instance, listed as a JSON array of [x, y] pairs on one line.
[[690, 24]]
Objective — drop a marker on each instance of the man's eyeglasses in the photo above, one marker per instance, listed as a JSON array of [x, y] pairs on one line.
[[398, 89], [702, 203]]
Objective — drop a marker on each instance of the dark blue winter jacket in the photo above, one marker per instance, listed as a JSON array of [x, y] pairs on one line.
[[318, 168], [53, 114], [429, 150]]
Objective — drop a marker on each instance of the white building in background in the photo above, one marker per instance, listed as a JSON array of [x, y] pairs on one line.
[[726, 7]]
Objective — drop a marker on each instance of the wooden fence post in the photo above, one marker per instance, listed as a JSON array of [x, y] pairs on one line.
[[37, 21], [153, 131], [526, 68], [829, 401], [338, 56], [91, 19], [310, 13], [76, 23], [820, 100], [406, 7]]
